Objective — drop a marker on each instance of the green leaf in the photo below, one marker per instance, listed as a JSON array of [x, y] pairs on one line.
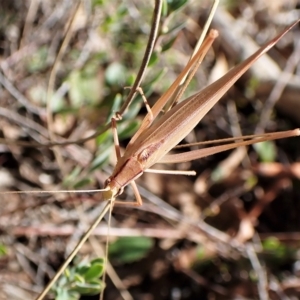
[[78, 278], [98, 260], [84, 88], [97, 2], [67, 273], [266, 151], [95, 271], [101, 158], [156, 77], [174, 5], [82, 269], [114, 74], [71, 177], [153, 59], [130, 79], [130, 249], [217, 174], [164, 10], [103, 137], [37, 61], [115, 107], [126, 130], [3, 250], [174, 29], [277, 251], [83, 182], [131, 256], [166, 46], [88, 288], [134, 108], [271, 243], [65, 294], [251, 182], [201, 253]]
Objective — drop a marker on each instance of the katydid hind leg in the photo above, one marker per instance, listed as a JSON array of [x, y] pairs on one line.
[[200, 153]]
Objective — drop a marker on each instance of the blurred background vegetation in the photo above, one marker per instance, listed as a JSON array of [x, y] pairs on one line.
[[249, 197]]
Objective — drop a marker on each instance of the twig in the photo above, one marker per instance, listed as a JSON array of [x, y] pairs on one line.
[[147, 55], [23, 122], [32, 11], [50, 88], [19, 97], [262, 284], [100, 231]]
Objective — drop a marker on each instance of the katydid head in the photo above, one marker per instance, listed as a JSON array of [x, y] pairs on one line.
[[111, 190], [108, 195], [126, 170]]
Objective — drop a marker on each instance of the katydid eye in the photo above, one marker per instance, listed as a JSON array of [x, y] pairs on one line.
[[107, 181]]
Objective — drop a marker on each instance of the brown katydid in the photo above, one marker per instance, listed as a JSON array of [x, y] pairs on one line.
[[154, 140]]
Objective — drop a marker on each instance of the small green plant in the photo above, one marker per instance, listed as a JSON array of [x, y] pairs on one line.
[[83, 279]]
